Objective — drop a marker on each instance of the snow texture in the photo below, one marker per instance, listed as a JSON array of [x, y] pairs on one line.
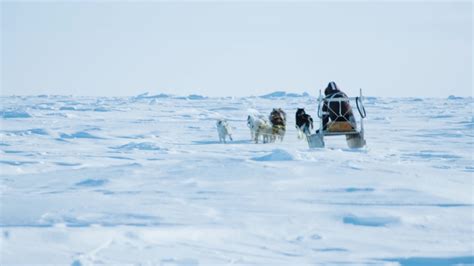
[[144, 180]]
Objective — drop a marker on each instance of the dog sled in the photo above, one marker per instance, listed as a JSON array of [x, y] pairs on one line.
[[342, 125]]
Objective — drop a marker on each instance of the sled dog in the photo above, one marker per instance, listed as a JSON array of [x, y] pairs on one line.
[[304, 123], [223, 130], [259, 127], [278, 120]]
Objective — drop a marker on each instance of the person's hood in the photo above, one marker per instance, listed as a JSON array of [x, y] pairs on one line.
[[331, 88]]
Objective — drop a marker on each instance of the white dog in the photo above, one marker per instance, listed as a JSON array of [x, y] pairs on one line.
[[223, 129], [259, 127], [251, 125], [265, 130]]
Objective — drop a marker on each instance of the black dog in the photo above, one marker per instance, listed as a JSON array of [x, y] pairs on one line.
[[304, 122]]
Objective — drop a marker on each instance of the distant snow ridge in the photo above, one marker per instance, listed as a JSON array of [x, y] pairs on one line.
[[273, 95], [83, 109], [281, 94], [68, 108], [146, 146], [147, 96], [452, 97], [276, 155], [15, 114], [196, 97]]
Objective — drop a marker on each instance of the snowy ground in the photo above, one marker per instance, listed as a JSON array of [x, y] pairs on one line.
[[143, 180]]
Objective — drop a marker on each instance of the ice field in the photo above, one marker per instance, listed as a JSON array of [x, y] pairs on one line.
[[144, 180]]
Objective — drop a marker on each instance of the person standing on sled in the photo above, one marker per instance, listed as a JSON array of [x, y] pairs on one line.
[[337, 119], [339, 110]]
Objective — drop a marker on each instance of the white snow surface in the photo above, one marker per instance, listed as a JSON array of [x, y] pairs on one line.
[[144, 180]]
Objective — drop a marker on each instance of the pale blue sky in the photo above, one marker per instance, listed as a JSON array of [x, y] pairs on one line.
[[236, 48]]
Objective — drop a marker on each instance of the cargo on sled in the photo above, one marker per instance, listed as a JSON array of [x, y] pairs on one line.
[[336, 119]]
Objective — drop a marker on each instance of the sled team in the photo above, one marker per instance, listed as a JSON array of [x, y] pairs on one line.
[[273, 128]]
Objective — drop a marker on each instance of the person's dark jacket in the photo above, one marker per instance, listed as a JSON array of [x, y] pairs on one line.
[[332, 108]]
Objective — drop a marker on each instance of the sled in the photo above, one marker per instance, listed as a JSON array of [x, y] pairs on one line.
[[341, 125]]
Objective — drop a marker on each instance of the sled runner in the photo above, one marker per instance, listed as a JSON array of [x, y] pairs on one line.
[[341, 123]]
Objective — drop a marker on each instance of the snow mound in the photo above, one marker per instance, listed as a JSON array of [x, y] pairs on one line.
[[68, 108], [101, 109], [281, 94], [370, 221], [15, 114], [85, 108], [145, 146], [276, 155], [78, 135], [92, 182], [33, 131], [45, 106]]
